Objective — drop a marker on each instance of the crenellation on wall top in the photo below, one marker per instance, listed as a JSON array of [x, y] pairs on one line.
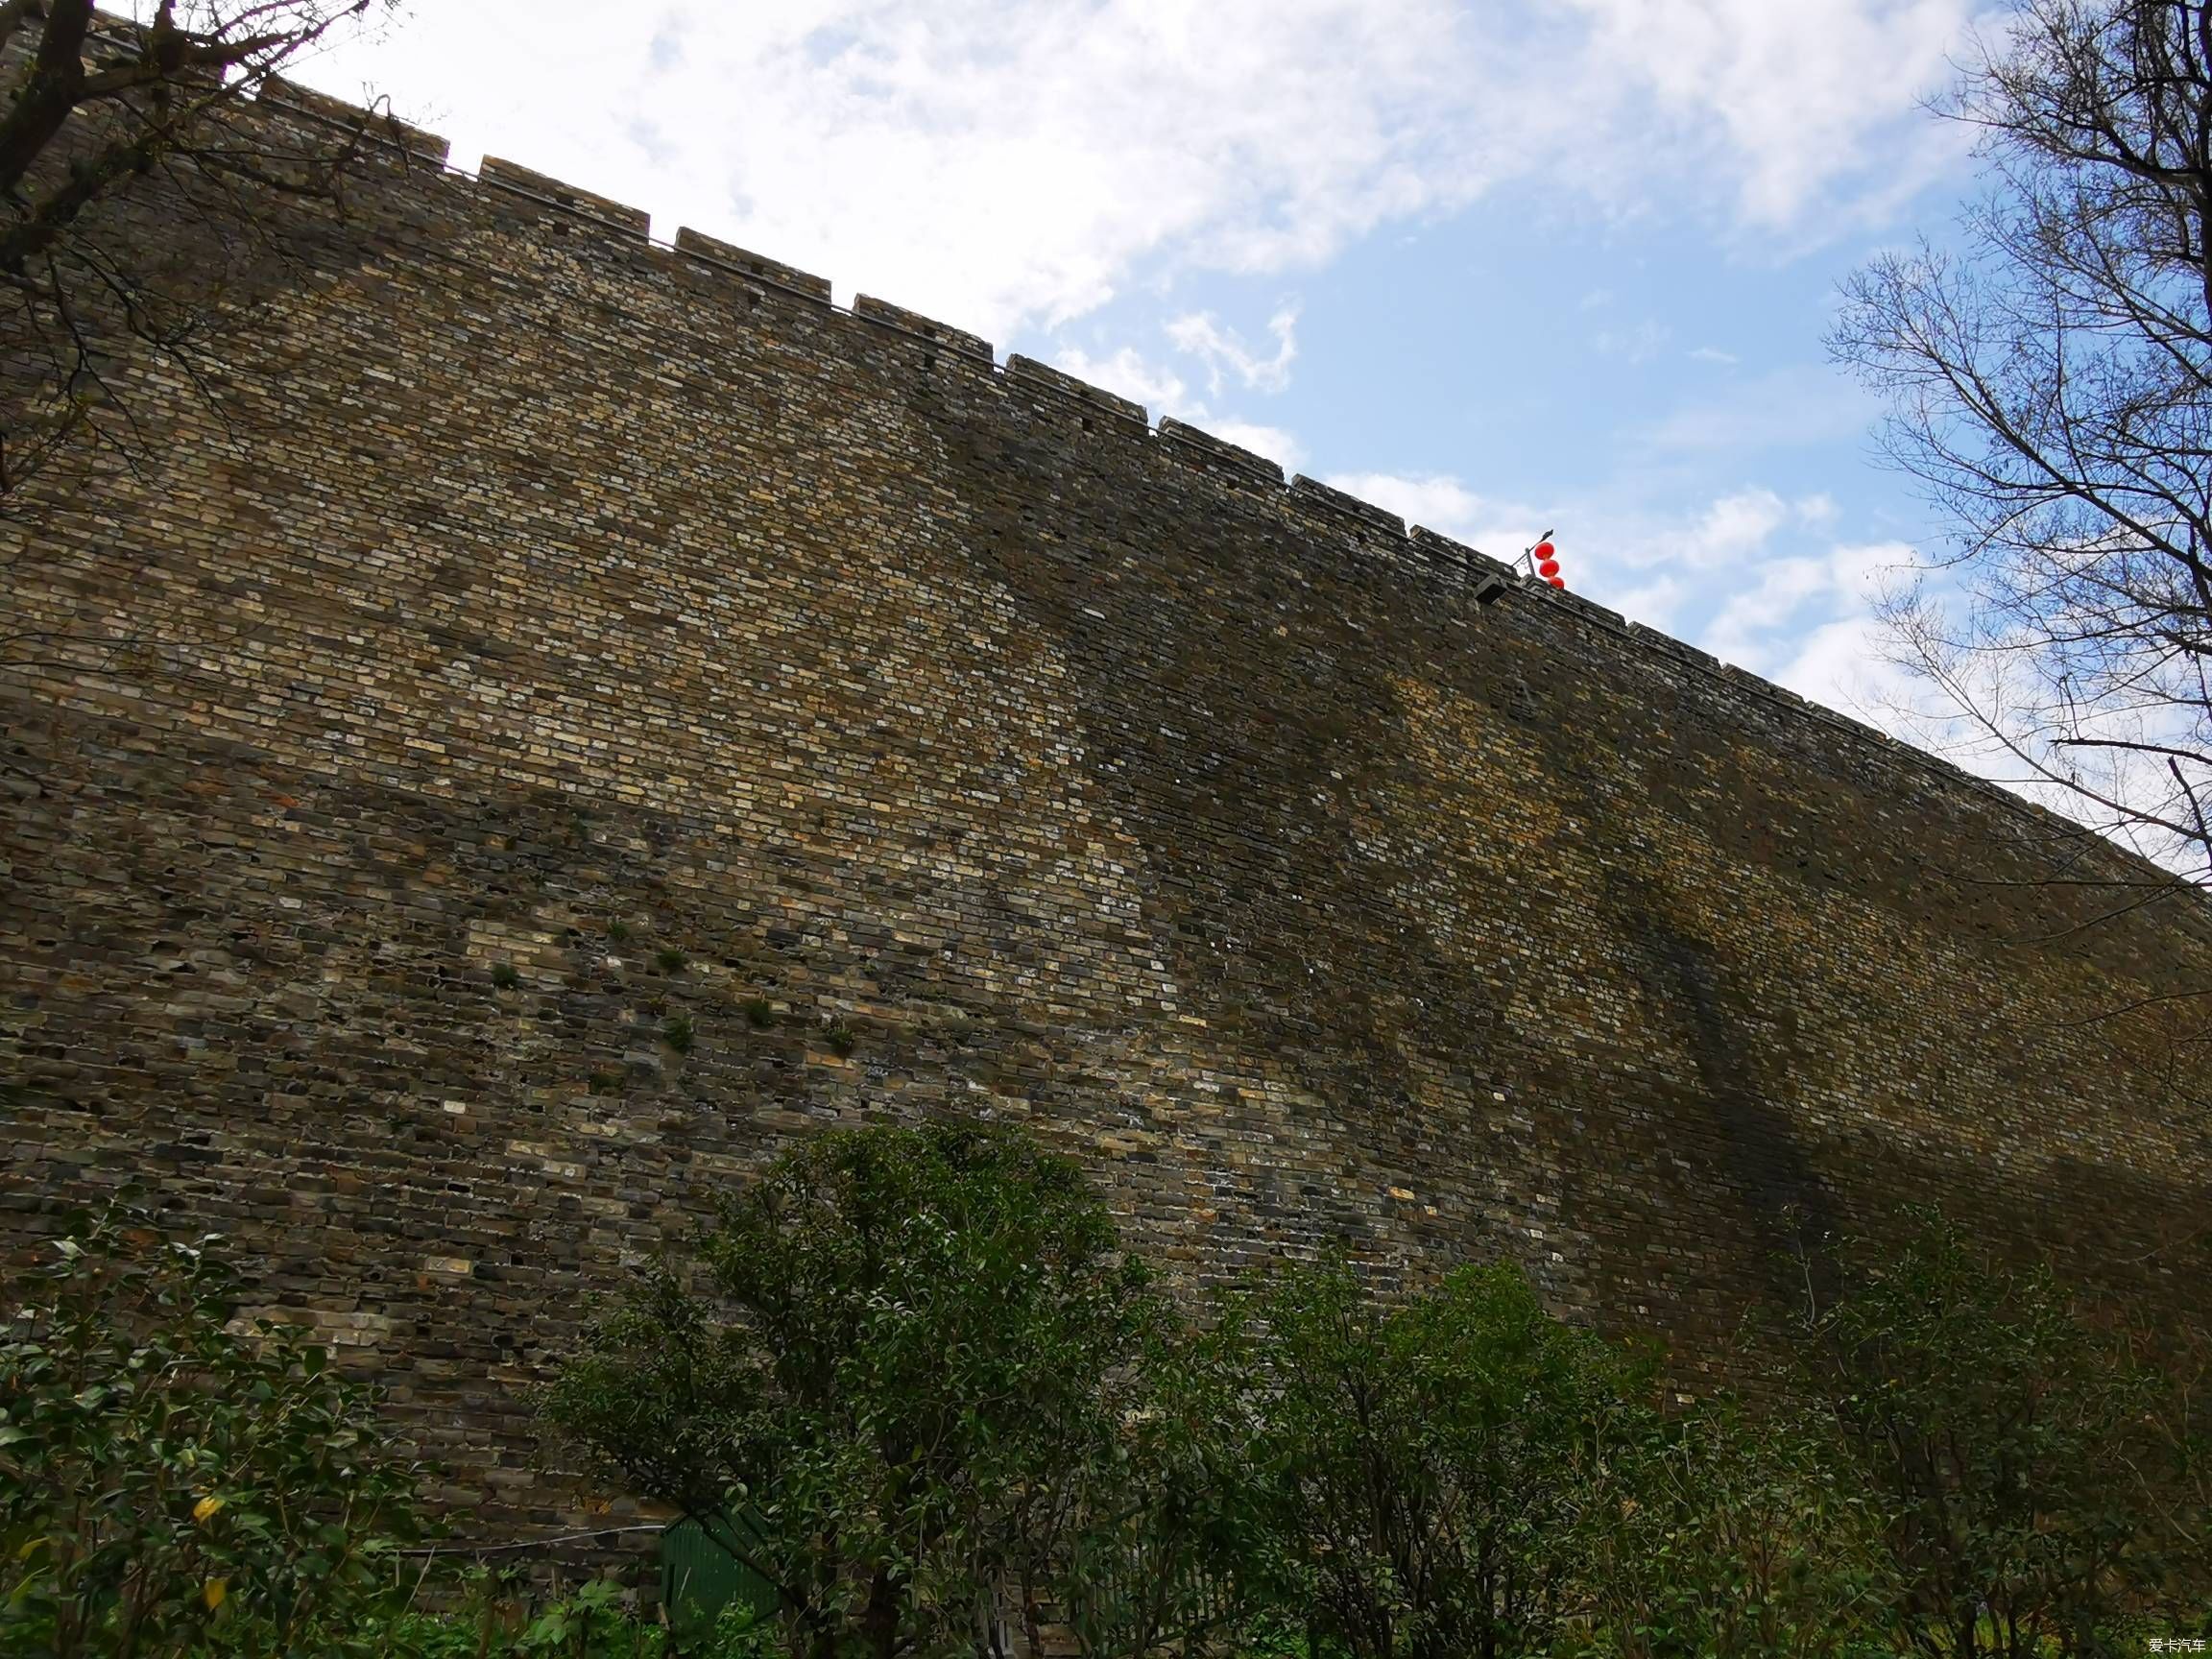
[[956, 340], [554, 192], [1435, 544], [1586, 607], [1190, 443], [773, 272], [1666, 646], [1029, 373], [1314, 493], [1189, 446]]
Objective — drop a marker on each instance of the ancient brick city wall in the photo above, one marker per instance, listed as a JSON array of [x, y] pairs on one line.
[[539, 598]]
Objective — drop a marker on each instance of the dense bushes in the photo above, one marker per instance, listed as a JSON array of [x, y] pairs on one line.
[[913, 1381], [170, 1483], [2042, 1483], [178, 1481], [909, 1357], [919, 1362], [1433, 1472]]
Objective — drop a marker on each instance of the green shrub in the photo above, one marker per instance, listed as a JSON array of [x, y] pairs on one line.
[[912, 1355], [1434, 1473], [1741, 1534], [2044, 1481], [173, 1483]]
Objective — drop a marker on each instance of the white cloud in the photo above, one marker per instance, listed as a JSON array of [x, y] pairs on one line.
[[1796, 618], [1840, 663], [1786, 408], [1712, 355], [1733, 528], [1789, 100], [1006, 165], [1653, 602], [993, 163], [1163, 393], [1437, 503], [1201, 336], [1748, 629]]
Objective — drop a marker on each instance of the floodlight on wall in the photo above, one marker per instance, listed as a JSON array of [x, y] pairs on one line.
[[1489, 588]]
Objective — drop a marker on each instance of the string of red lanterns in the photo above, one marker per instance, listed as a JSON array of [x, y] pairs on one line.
[[1544, 560]]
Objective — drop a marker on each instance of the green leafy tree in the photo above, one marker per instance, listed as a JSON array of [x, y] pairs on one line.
[[2028, 1458], [172, 1481], [912, 1359], [1743, 1533], [1435, 1469], [1164, 1561], [2176, 1471]]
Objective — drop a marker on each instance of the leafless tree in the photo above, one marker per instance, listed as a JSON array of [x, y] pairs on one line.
[[141, 172], [2049, 375]]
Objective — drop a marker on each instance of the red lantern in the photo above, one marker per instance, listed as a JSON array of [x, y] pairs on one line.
[[1545, 550], [1557, 581], [1550, 567]]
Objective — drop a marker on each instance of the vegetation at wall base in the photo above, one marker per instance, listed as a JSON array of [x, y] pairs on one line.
[[914, 1387], [909, 1353], [2043, 1481], [177, 1478]]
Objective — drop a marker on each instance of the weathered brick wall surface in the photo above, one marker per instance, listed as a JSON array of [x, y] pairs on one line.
[[542, 598]]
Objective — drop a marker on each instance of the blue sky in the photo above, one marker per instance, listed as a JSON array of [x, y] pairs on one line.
[[1502, 265]]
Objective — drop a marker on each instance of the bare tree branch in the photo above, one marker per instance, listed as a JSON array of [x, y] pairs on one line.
[[2050, 384], [97, 112]]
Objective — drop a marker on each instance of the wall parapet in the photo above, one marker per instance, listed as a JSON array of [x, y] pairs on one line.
[[1030, 373], [1217, 454], [772, 273], [553, 192], [1365, 514], [1236, 467], [959, 341], [380, 128]]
